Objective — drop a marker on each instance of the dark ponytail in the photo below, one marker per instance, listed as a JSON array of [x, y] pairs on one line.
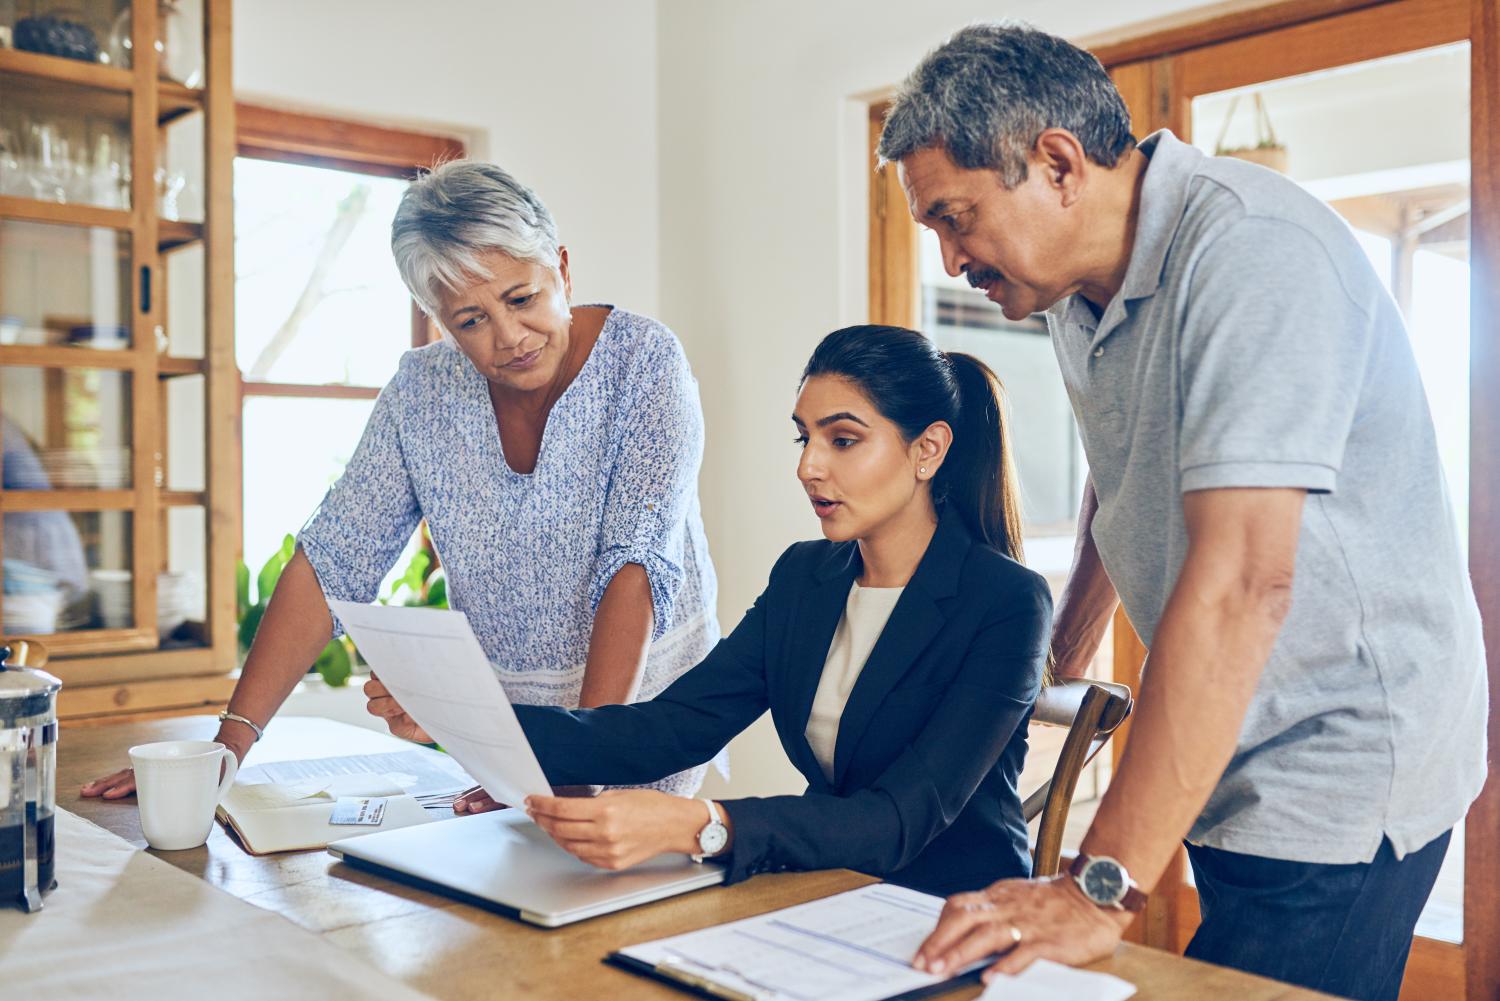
[[982, 480], [914, 384]]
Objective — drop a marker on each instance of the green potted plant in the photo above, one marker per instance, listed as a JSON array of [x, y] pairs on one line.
[[421, 584]]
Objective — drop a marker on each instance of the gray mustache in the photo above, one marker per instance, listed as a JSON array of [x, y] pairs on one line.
[[981, 277]]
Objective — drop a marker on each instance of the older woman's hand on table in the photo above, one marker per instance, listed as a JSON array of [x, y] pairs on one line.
[[116, 785], [620, 827], [381, 703]]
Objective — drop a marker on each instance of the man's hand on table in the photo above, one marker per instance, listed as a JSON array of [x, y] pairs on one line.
[[1052, 916], [381, 703]]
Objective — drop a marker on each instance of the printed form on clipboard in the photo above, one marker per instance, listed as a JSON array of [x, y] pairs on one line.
[[435, 668], [852, 946]]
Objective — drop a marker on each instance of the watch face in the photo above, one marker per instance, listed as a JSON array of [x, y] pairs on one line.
[[1104, 881], [713, 838]]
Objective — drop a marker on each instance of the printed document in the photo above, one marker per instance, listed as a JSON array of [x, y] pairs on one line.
[[434, 779], [854, 946], [1045, 980], [432, 663]]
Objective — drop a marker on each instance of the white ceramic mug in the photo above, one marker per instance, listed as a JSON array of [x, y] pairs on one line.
[[177, 783]]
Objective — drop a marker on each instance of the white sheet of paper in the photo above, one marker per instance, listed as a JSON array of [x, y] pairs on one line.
[[1045, 980], [422, 773], [852, 946], [432, 663]]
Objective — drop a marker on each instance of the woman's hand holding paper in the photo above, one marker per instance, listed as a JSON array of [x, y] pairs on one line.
[[381, 703], [620, 828]]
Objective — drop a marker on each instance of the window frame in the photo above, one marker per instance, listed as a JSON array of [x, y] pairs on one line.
[[266, 133], [278, 135]]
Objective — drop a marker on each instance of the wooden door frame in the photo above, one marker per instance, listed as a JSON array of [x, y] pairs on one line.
[[1482, 855], [1156, 67]]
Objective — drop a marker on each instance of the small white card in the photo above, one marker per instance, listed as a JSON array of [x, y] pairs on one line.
[[1045, 980], [358, 810]]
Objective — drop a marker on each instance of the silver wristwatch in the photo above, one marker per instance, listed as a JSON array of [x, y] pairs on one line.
[[714, 836], [1105, 881]]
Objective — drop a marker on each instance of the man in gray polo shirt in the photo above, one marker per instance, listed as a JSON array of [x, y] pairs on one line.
[[1265, 499]]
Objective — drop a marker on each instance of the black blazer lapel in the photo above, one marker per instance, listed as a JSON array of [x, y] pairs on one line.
[[914, 623], [810, 634]]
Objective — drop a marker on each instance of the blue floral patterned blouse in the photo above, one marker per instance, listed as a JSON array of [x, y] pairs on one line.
[[528, 556]]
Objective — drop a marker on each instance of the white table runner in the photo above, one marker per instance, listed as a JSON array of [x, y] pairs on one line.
[[123, 925]]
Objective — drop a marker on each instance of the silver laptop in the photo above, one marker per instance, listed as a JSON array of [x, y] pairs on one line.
[[503, 862]]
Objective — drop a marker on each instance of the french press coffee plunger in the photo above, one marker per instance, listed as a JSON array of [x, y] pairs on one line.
[[28, 780]]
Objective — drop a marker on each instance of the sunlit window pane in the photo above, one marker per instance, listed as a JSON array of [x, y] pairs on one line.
[[317, 296], [294, 451]]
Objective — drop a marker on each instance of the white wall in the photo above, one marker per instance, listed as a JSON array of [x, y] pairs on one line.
[[1328, 121], [705, 161], [763, 233], [563, 94]]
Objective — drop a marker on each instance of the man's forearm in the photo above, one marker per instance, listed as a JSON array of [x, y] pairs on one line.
[[1087, 602], [1209, 651], [619, 641]]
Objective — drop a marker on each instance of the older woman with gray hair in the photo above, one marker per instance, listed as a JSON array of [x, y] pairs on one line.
[[553, 450]]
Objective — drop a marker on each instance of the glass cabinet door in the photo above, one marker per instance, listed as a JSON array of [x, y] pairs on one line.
[[65, 429], [67, 141], [64, 286], [105, 112]]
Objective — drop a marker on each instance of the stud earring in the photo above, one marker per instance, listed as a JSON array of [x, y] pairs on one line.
[[922, 470]]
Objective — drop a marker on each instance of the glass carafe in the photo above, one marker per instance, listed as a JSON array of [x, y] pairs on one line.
[[28, 781]]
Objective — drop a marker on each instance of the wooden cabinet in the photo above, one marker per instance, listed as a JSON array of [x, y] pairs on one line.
[[119, 510]]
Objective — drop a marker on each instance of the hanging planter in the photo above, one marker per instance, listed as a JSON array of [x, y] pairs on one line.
[[1267, 151]]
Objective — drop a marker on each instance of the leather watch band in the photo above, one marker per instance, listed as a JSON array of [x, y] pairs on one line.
[[1134, 900]]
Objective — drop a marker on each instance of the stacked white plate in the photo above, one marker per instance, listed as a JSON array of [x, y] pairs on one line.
[[116, 599], [33, 598], [32, 613], [179, 597], [104, 467], [77, 611]]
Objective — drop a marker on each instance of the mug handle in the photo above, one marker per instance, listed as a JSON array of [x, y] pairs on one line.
[[231, 769]]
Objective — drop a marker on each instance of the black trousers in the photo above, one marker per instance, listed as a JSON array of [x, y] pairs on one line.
[[1341, 929]]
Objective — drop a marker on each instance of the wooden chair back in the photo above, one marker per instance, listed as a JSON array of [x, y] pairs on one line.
[[1091, 710]]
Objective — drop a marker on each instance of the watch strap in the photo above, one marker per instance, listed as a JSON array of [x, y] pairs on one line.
[[713, 818], [1134, 900]]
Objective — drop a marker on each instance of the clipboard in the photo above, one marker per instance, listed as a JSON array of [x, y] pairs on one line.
[[851, 946], [685, 980]]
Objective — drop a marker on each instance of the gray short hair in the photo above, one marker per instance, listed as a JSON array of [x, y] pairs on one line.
[[457, 211], [987, 93]]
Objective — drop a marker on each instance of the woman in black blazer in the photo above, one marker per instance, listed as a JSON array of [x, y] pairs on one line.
[[906, 461]]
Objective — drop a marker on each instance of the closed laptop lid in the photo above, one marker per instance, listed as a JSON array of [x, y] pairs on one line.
[[502, 858]]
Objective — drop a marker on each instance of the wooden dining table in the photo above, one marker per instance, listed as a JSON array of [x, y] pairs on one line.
[[453, 950]]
